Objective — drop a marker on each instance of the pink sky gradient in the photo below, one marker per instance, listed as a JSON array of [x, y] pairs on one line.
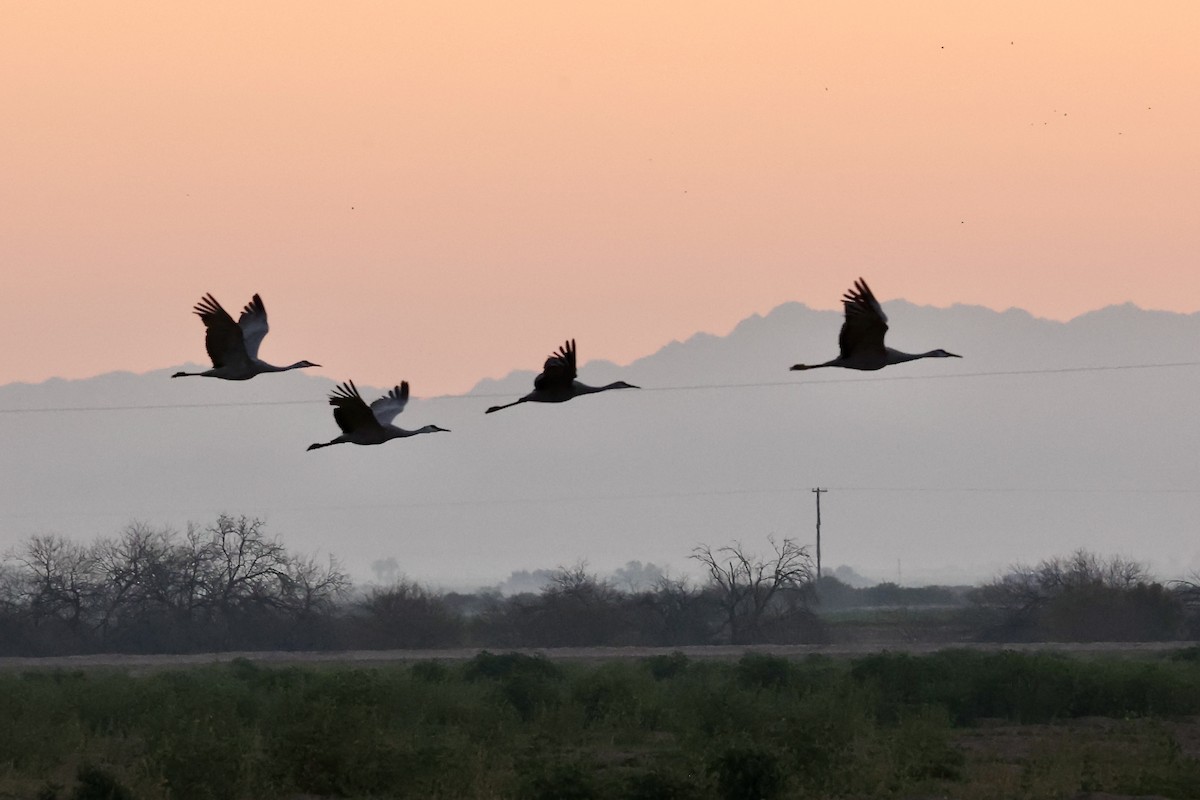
[[442, 192]]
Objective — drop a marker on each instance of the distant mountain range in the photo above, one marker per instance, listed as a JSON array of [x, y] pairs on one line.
[[1044, 438]]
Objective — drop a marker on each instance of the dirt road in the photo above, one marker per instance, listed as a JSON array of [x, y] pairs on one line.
[[363, 658]]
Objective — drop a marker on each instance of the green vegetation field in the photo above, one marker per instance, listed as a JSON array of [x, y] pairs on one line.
[[955, 723]]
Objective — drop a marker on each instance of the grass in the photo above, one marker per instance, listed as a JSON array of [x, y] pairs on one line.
[[967, 724]]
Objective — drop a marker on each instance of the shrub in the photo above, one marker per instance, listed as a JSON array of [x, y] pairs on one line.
[[1079, 598], [660, 785], [505, 665], [668, 666], [1191, 653], [430, 671], [747, 772], [608, 693], [763, 671], [96, 783], [407, 615], [560, 780], [922, 747]]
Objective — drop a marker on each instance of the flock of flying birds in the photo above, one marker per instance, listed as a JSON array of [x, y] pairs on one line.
[[233, 348]]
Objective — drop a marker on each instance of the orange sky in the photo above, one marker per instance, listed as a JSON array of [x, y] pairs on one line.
[[440, 192]]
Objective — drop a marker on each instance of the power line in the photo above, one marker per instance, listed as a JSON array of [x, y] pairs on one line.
[[664, 495], [1014, 490], [685, 388], [163, 406], [950, 376], [501, 501]]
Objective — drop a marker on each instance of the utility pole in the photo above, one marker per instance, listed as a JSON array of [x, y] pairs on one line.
[[818, 492]]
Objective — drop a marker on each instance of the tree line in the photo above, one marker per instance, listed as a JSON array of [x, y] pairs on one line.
[[231, 586]]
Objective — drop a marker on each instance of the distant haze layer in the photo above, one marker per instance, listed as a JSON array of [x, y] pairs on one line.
[[1044, 438]]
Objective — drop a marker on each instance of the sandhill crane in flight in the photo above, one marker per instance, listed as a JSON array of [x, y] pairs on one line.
[[557, 382], [861, 339], [233, 346], [363, 424]]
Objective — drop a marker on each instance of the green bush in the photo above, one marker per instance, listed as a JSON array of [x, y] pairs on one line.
[[1186, 654], [96, 783], [505, 665], [668, 666], [430, 671], [519, 726], [609, 693], [748, 772], [660, 785], [1039, 687], [923, 749], [561, 780], [762, 671]]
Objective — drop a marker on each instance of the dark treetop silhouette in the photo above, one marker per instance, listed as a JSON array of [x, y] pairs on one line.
[[233, 346], [363, 424], [557, 382], [861, 338]]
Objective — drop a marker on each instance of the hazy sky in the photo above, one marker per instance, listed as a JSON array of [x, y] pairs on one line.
[[441, 192]]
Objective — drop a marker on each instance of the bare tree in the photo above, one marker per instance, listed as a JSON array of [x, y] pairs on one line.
[[683, 611], [1025, 589], [1188, 588], [1081, 597], [245, 567], [59, 580], [576, 582], [407, 614], [12, 590], [180, 583], [749, 589], [153, 588], [125, 568], [576, 608], [1085, 569], [311, 588]]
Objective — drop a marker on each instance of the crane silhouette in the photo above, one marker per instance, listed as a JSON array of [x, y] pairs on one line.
[[557, 382], [233, 346], [363, 424], [861, 339]]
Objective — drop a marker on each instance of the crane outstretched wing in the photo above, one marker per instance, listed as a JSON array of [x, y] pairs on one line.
[[223, 338], [865, 324], [387, 407], [350, 411], [253, 323], [559, 370]]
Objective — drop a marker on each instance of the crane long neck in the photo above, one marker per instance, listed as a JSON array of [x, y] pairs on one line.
[[398, 433], [583, 388], [898, 357], [506, 405], [265, 367]]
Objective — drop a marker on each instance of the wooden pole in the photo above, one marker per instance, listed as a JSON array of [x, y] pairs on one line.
[[818, 492]]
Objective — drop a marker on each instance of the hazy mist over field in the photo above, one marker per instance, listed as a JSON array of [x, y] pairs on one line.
[[937, 470]]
